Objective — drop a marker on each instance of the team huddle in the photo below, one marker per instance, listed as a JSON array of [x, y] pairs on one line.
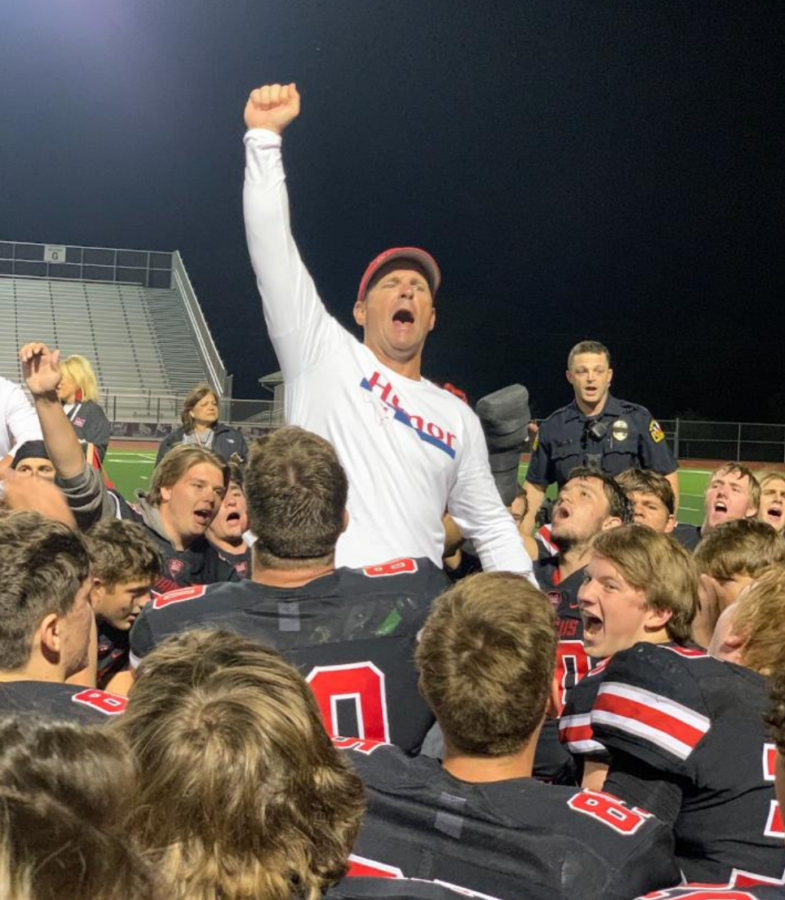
[[265, 677]]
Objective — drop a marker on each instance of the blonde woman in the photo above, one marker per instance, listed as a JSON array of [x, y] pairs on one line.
[[78, 392]]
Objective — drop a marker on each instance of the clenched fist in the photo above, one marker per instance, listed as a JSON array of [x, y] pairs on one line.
[[272, 106]]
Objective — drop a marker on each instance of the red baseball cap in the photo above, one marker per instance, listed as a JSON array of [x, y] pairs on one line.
[[414, 254]]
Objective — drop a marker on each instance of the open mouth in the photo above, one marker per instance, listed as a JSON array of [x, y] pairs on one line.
[[720, 507], [592, 624], [403, 317], [205, 516], [561, 512], [233, 517]]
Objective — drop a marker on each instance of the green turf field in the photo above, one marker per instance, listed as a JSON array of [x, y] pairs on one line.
[[131, 469]]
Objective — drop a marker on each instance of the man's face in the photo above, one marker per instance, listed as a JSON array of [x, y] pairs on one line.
[[581, 511], [614, 612], [590, 375], [36, 466], [651, 511], [772, 503], [190, 504], [727, 498], [397, 313], [66, 389], [120, 604], [231, 520], [74, 631]]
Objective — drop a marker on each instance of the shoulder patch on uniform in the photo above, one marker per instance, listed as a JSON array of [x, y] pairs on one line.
[[656, 432]]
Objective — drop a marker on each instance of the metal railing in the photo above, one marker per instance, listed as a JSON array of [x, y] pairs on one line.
[[731, 441], [147, 268]]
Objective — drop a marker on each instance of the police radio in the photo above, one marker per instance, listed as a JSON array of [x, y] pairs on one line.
[[595, 431]]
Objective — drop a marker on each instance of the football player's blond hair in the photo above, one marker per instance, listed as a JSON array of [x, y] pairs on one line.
[[658, 565], [743, 546], [760, 620], [486, 659], [244, 795]]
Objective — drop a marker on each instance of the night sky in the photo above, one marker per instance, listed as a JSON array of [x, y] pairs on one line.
[[580, 169]]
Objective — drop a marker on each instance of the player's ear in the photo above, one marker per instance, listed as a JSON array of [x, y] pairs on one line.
[[359, 313], [345, 521], [657, 619], [166, 493], [611, 522], [97, 590], [48, 637]]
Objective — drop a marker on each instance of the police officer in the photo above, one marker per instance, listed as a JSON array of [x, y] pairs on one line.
[[594, 430]]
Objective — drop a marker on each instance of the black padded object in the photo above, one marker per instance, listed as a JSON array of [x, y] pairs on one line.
[[505, 410]]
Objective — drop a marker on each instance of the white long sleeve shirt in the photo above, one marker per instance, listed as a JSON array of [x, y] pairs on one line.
[[409, 448], [18, 419]]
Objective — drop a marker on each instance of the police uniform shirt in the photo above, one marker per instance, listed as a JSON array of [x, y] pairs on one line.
[[687, 729], [87, 706], [512, 838], [630, 438], [553, 761], [352, 634]]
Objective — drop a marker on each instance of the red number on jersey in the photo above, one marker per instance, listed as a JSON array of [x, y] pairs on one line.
[[361, 746], [608, 810], [359, 866], [109, 704], [393, 567], [179, 596], [572, 663], [775, 827], [361, 683]]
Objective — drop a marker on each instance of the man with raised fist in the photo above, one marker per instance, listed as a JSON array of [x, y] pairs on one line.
[[410, 448]]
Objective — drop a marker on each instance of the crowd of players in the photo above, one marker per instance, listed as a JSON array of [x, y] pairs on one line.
[[228, 687]]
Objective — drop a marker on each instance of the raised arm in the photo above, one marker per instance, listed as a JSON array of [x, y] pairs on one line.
[[41, 371], [299, 327]]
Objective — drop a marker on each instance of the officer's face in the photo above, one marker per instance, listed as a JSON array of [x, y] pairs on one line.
[[590, 375], [772, 503], [581, 511], [615, 614], [727, 499], [651, 511]]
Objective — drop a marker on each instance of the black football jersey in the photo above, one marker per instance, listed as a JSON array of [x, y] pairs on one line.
[[572, 661], [696, 723], [113, 652], [240, 561], [88, 706], [351, 633], [392, 888], [716, 892], [511, 839]]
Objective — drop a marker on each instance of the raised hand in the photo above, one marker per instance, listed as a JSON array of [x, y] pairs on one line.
[[40, 368], [272, 106]]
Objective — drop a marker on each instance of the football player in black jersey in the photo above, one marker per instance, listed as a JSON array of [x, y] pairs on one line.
[[46, 621], [227, 530], [125, 564], [477, 820], [640, 585], [589, 503], [747, 888], [732, 493], [686, 737], [243, 794], [351, 631], [64, 792]]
